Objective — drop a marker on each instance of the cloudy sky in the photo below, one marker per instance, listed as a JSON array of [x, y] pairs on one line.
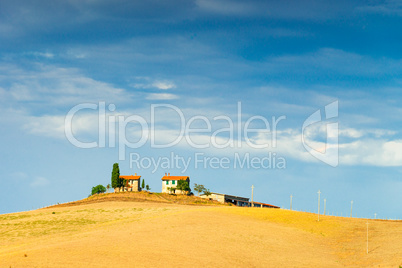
[[209, 60]]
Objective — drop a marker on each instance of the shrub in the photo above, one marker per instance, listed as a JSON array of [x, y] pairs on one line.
[[199, 188], [98, 189], [183, 186], [207, 192]]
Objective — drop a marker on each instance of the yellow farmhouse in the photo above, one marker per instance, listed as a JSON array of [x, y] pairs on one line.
[[132, 184]]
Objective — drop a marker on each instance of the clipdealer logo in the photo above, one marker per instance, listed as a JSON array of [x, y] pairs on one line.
[[237, 134]]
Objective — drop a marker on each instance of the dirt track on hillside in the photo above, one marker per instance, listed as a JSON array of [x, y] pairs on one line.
[[141, 234]]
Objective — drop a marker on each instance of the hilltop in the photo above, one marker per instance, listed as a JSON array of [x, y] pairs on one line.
[[143, 196], [149, 231]]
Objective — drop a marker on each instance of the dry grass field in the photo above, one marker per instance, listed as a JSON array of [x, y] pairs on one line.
[[132, 231]]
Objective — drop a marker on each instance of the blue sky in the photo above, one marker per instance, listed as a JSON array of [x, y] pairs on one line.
[[276, 58]]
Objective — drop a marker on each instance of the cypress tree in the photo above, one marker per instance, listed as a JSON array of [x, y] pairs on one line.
[[143, 184], [116, 176]]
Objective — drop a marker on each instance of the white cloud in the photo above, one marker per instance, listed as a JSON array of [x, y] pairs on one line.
[[161, 96], [22, 92], [84, 124], [362, 151], [372, 152], [227, 7], [291, 9], [366, 147], [3, 93], [334, 60], [19, 175], [140, 85], [23, 178], [58, 87], [164, 84], [47, 125], [146, 83], [351, 133], [47, 55], [39, 182], [387, 7], [77, 54], [355, 133]]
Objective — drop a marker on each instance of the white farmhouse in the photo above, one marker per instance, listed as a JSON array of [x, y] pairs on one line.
[[169, 183]]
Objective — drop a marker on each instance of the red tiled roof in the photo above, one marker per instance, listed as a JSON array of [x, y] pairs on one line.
[[176, 178], [130, 177]]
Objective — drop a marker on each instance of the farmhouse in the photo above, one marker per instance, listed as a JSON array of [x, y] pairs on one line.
[[169, 183], [132, 184]]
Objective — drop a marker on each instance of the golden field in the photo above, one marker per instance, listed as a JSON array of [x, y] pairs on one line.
[[151, 230]]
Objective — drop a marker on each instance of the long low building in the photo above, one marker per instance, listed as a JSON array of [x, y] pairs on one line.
[[236, 200], [225, 198]]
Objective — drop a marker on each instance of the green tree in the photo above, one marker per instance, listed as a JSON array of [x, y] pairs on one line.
[[148, 188], [171, 190], [98, 189], [123, 183], [207, 192], [183, 186], [143, 184], [116, 181], [199, 188]]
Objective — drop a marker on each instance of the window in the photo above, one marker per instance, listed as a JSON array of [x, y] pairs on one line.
[[167, 182], [173, 182]]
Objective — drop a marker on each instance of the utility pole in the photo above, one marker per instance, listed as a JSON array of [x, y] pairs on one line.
[[252, 195], [291, 202], [351, 208], [325, 205], [319, 192]]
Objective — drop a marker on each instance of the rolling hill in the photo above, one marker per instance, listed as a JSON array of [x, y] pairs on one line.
[[156, 230]]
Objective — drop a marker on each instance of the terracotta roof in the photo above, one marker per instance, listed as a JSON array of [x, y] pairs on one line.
[[130, 177], [176, 178]]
